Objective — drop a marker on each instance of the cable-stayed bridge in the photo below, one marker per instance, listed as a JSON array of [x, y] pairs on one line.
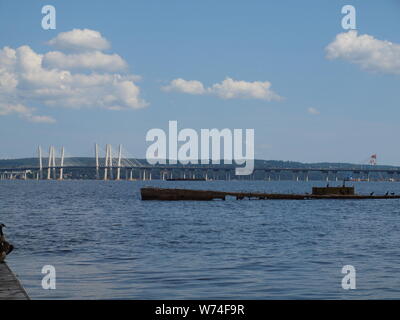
[[117, 164]]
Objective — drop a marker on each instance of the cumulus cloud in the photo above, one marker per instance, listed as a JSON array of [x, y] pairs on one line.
[[366, 51], [231, 89], [8, 109], [227, 89], [41, 119], [80, 40], [313, 111], [24, 112], [88, 60], [30, 81], [185, 86]]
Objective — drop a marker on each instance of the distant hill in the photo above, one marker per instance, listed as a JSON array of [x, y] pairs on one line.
[[259, 164]]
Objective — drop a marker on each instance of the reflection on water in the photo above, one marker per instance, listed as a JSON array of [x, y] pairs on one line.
[[106, 243]]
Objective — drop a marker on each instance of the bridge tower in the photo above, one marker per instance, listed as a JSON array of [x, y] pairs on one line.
[[40, 176], [96, 150], [51, 167], [62, 164], [119, 163], [108, 162], [51, 163]]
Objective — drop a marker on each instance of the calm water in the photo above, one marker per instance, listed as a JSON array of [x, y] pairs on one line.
[[105, 243]]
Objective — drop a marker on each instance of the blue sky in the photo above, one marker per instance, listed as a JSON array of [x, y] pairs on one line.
[[282, 42]]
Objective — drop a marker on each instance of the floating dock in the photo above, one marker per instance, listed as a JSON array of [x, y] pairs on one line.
[[339, 193], [10, 287]]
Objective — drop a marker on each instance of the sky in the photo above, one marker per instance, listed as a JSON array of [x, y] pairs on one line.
[[113, 70]]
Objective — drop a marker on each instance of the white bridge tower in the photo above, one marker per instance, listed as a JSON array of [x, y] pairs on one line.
[[51, 165]]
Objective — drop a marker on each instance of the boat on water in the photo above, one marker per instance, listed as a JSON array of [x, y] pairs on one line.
[[318, 193]]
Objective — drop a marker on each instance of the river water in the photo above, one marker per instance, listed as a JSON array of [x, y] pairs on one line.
[[105, 243]]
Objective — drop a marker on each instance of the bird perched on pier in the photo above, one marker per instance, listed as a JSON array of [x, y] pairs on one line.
[[372, 193], [5, 246], [386, 193], [392, 193]]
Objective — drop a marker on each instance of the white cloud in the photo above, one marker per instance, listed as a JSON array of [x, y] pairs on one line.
[[366, 51], [41, 119], [80, 40], [185, 86], [25, 113], [9, 109], [313, 111], [95, 60], [231, 89], [30, 81], [227, 89]]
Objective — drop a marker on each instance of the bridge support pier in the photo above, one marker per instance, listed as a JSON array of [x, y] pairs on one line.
[[305, 175]]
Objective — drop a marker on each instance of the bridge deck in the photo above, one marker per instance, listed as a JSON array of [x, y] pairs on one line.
[[10, 288], [205, 167]]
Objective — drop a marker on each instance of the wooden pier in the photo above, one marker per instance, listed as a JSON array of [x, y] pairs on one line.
[[338, 193], [10, 287]]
